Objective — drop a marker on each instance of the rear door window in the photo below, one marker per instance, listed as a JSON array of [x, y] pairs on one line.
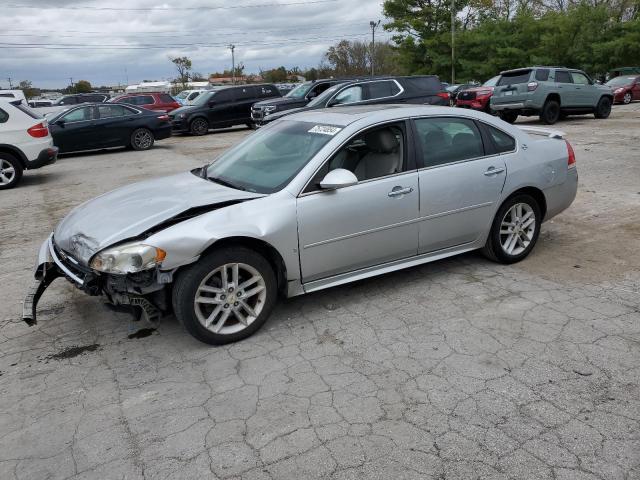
[[223, 96], [245, 93], [79, 115], [382, 89], [111, 110], [166, 98], [349, 95], [448, 140], [514, 78], [69, 101], [423, 84], [542, 74], [144, 100], [562, 76]]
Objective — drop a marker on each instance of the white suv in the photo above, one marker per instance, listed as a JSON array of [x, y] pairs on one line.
[[25, 142]]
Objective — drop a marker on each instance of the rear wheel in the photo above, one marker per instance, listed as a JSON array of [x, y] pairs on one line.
[[550, 113], [10, 171], [603, 109], [627, 98], [225, 297], [509, 117], [252, 126], [199, 126], [515, 230], [142, 139]]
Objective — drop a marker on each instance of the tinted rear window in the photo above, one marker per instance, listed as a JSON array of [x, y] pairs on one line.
[[563, 76], [383, 89], [4, 116], [428, 84], [166, 98], [513, 78]]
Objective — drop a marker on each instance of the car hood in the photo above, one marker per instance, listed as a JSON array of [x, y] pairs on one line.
[[130, 211], [184, 109], [284, 113], [281, 102]]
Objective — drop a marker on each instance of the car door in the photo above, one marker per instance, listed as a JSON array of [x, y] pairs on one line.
[[566, 90], [75, 130], [459, 183], [366, 224], [221, 108], [245, 97], [113, 122], [586, 94]]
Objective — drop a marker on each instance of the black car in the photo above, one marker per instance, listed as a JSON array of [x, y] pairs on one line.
[[81, 98], [298, 97], [425, 89], [220, 108], [105, 125]]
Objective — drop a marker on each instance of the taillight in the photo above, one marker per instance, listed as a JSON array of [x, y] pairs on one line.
[[444, 95], [531, 86], [164, 118], [38, 131], [571, 162]]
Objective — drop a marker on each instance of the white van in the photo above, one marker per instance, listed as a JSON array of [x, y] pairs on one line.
[[13, 95], [186, 97]]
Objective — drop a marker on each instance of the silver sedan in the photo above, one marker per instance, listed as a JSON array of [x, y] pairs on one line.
[[309, 202]]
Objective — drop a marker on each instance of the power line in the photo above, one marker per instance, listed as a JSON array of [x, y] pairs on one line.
[[158, 9]]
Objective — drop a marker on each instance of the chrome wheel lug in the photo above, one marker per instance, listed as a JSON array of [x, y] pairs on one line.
[[222, 297], [235, 304], [226, 305], [230, 289]]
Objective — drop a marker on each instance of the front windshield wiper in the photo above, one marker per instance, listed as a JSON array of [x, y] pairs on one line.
[[224, 182]]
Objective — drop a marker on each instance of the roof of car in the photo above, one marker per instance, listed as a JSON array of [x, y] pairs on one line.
[[344, 116]]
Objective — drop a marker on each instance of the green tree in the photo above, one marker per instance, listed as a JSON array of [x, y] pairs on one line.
[[275, 75], [27, 89], [183, 66], [82, 86]]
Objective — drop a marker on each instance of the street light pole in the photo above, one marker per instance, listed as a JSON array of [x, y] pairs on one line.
[[233, 64], [453, 42], [373, 26]]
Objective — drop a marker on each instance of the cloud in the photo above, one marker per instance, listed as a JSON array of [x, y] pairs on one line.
[[110, 42]]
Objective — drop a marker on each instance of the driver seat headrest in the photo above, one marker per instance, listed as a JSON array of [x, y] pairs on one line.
[[381, 141]]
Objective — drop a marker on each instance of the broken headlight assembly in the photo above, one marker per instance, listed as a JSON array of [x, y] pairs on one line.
[[127, 258]]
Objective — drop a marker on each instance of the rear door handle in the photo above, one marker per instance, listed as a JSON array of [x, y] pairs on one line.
[[397, 191], [493, 171]]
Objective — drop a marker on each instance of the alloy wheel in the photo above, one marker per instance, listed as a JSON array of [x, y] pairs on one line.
[[230, 298], [627, 98], [200, 127], [517, 229], [143, 139], [7, 172]]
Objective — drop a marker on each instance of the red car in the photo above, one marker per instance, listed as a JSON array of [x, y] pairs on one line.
[[626, 88], [160, 102], [477, 98]]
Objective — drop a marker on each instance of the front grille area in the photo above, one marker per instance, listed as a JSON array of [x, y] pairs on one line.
[[467, 95]]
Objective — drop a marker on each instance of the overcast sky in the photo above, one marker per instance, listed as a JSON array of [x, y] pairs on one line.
[[108, 42]]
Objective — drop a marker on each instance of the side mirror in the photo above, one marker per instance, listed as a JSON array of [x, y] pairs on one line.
[[338, 178], [60, 122]]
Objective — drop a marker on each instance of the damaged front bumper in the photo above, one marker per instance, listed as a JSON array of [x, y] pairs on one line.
[[146, 291]]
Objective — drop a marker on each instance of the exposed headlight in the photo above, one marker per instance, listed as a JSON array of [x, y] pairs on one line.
[[127, 258], [270, 108]]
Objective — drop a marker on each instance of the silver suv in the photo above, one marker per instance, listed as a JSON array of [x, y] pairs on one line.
[[550, 92]]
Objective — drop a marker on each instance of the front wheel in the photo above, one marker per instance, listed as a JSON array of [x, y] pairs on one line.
[[10, 171], [225, 297], [509, 117], [515, 230], [603, 109], [627, 98], [142, 139], [199, 126]]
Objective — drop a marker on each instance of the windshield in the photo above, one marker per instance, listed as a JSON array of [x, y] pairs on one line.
[[491, 82], [300, 91], [322, 98], [203, 99], [269, 159], [183, 94], [620, 81]]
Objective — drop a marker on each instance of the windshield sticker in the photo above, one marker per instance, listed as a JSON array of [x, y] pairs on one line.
[[325, 130]]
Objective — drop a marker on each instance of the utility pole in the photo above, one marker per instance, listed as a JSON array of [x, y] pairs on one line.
[[232, 47], [373, 26], [453, 42], [71, 84], [10, 84]]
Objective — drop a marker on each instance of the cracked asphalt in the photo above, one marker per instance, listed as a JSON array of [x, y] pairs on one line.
[[460, 369]]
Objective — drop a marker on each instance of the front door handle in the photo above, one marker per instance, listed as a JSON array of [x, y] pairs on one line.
[[397, 191], [493, 171]]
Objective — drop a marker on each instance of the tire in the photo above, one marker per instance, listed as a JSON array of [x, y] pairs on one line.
[[10, 171], [199, 126], [142, 139], [498, 247], [550, 113], [627, 98], [603, 109], [229, 317], [252, 126], [509, 117]]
